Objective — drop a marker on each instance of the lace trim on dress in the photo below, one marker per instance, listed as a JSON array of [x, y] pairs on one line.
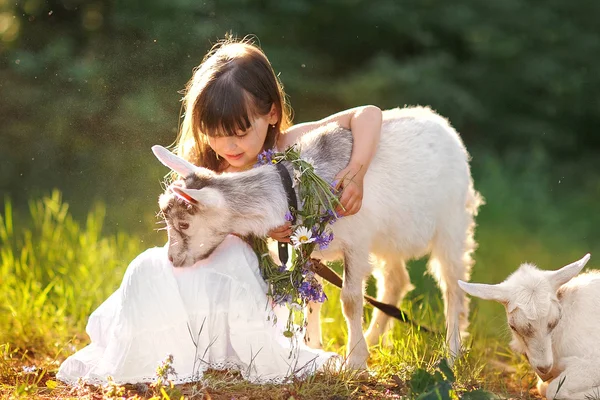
[[301, 373]]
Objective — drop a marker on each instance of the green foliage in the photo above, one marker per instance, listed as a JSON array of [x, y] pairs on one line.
[[55, 272], [439, 385], [89, 86]]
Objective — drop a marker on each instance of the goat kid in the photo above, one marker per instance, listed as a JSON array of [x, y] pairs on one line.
[[418, 199], [554, 320]]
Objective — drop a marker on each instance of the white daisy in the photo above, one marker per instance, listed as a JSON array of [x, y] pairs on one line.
[[297, 176], [308, 160], [301, 236]]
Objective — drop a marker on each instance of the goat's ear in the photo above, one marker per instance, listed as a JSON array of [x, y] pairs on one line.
[[565, 274], [486, 292], [176, 163], [206, 197]]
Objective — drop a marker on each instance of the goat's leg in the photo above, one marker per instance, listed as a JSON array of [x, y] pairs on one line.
[[580, 380], [450, 261], [455, 302], [356, 269], [393, 283]]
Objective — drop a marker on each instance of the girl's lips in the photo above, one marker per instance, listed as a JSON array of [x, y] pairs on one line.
[[235, 156]]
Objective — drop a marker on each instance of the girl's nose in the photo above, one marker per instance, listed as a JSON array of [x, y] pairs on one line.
[[231, 143]]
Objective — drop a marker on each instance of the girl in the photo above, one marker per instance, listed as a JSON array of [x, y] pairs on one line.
[[214, 314]]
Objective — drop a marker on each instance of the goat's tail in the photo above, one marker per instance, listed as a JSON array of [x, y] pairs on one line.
[[474, 200]]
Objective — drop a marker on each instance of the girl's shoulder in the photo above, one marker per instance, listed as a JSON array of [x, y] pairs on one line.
[[294, 133]]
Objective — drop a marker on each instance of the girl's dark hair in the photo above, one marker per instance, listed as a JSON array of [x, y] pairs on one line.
[[234, 83]]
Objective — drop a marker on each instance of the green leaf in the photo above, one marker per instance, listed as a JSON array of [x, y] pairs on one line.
[[421, 381], [440, 391], [50, 384], [446, 370]]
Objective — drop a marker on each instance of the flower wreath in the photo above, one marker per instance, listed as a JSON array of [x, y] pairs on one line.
[[295, 285]]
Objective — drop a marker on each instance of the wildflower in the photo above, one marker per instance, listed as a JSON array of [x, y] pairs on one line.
[[266, 157], [297, 177], [308, 160], [30, 370], [301, 236], [282, 299], [324, 239], [289, 217], [312, 291]]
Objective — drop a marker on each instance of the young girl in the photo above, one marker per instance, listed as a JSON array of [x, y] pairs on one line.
[[214, 314]]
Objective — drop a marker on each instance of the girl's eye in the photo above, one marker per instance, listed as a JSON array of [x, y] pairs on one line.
[[183, 226]]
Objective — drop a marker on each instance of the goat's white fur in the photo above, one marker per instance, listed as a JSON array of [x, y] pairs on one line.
[[418, 199], [554, 321]]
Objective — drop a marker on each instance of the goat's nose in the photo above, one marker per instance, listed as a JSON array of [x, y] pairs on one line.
[[544, 369], [171, 259]]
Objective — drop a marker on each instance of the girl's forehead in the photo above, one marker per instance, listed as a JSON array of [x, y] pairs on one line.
[[229, 124], [225, 111]]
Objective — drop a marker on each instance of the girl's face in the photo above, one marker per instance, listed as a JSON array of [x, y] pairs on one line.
[[241, 151]]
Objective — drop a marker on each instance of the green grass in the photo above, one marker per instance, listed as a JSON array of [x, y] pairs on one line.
[[54, 271]]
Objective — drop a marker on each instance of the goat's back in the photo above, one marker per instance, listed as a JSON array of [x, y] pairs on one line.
[[418, 181], [578, 333]]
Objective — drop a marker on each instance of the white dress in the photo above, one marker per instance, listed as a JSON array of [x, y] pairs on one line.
[[214, 314]]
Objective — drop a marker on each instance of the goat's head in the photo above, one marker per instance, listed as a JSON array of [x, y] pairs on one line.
[[195, 212], [532, 307]]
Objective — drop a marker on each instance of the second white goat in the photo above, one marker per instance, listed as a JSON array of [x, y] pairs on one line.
[[553, 316]]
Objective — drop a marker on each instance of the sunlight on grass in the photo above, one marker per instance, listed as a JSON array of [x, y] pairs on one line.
[[54, 273]]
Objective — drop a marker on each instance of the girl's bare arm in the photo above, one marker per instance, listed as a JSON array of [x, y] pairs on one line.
[[365, 124]]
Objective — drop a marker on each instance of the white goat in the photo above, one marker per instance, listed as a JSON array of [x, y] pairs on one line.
[[555, 324], [418, 199]]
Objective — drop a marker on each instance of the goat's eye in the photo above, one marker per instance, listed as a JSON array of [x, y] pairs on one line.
[[512, 327], [552, 325], [183, 226]]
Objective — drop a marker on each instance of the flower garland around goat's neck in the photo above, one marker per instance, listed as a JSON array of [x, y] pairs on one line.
[[295, 285]]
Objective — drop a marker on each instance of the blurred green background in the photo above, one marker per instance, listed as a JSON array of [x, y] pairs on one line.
[[87, 87]]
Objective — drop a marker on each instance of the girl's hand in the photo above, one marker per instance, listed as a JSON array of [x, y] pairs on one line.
[[350, 181], [281, 233]]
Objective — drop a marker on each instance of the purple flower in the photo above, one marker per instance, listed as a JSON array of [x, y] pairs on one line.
[[289, 217], [30, 370], [312, 291], [324, 239], [265, 157], [329, 216], [282, 299]]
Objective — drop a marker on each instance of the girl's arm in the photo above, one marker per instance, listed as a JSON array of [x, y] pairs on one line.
[[365, 124]]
